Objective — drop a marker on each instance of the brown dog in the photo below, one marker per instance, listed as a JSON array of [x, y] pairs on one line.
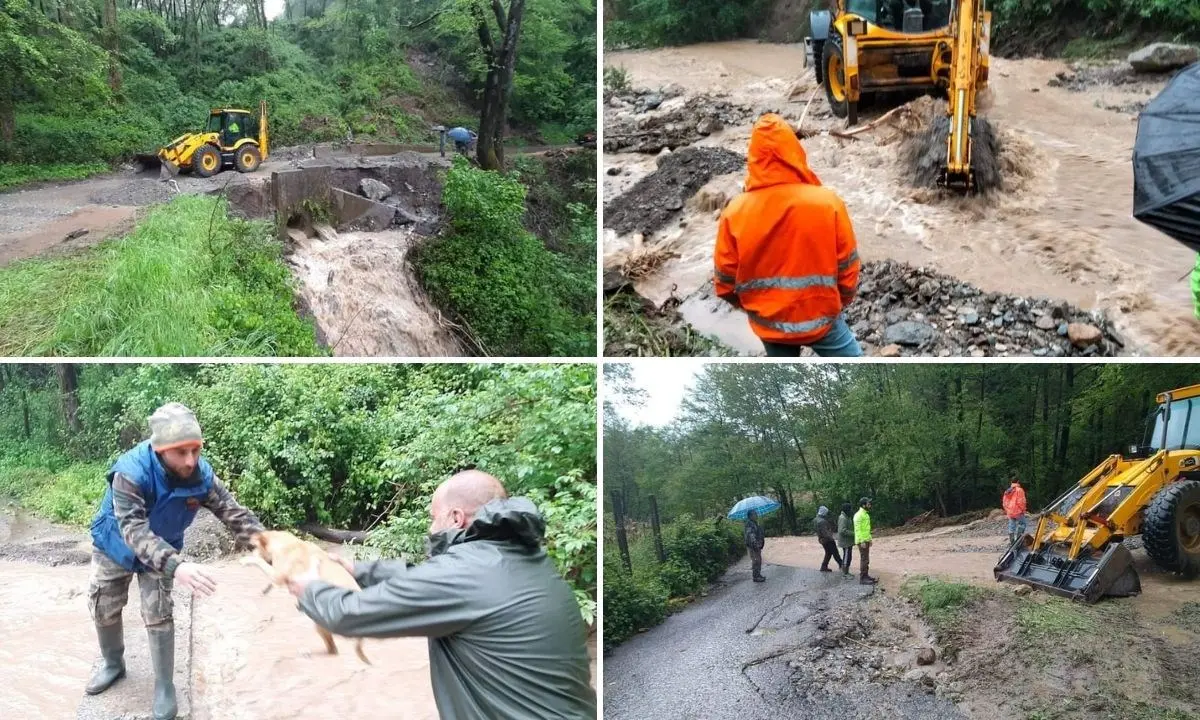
[[282, 556]]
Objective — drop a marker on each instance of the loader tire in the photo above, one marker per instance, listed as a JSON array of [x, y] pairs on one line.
[[206, 161], [834, 81], [819, 61], [1171, 529], [248, 159]]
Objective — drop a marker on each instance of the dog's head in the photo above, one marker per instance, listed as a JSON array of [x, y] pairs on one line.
[[261, 542]]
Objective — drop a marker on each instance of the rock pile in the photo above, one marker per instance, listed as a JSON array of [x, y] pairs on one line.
[[904, 310], [655, 199], [645, 121]]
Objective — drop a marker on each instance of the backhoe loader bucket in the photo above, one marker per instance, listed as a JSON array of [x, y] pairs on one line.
[[1088, 578]]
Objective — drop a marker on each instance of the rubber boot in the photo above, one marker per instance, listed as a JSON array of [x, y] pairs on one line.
[[162, 659], [112, 649]]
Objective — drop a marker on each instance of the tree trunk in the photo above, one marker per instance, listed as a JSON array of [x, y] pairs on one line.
[[68, 382], [619, 522], [498, 85], [1069, 381], [112, 39], [656, 528]]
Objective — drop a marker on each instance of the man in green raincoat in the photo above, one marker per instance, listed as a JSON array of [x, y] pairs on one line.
[[1196, 288], [506, 639]]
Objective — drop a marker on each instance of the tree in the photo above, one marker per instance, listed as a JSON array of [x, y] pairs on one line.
[[68, 383], [112, 37], [497, 87]]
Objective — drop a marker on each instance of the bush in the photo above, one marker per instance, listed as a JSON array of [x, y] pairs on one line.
[[496, 276], [679, 579], [630, 606], [703, 547]]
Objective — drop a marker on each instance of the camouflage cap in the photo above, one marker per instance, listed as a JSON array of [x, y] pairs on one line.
[[174, 425]]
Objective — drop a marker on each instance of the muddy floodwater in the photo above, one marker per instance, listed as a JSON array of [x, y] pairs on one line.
[[1062, 228]]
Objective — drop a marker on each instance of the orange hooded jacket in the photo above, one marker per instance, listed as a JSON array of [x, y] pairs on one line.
[[785, 247], [1014, 501]]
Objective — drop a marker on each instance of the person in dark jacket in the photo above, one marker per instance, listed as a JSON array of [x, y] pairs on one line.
[[755, 540], [826, 537], [506, 639], [154, 493], [845, 536]]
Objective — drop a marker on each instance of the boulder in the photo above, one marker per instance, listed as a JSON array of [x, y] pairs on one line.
[[926, 656], [892, 350], [1163, 57], [374, 189], [909, 333], [1082, 335]]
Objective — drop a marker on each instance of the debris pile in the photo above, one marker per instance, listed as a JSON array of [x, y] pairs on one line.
[[647, 122], [905, 310], [657, 198]]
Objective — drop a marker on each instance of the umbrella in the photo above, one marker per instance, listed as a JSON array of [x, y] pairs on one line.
[[758, 503], [1166, 160]]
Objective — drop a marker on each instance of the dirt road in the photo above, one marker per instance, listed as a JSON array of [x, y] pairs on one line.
[[1062, 229], [240, 655]]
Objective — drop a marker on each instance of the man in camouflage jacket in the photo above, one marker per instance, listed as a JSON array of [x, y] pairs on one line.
[[154, 493]]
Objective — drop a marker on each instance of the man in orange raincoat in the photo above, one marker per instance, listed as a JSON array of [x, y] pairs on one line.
[[1014, 507], [786, 253]]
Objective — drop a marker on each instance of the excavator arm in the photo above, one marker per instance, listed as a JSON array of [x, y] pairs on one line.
[[968, 75]]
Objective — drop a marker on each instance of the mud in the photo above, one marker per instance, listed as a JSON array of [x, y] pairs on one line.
[[657, 198], [361, 292], [1030, 637], [671, 124], [1060, 229]]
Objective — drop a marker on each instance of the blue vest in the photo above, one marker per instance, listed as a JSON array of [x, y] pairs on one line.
[[170, 511]]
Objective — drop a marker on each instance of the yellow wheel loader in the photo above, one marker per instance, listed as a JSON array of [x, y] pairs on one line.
[[232, 137], [1153, 490], [865, 47]]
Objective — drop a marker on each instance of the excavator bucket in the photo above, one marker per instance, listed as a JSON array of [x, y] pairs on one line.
[[1088, 578]]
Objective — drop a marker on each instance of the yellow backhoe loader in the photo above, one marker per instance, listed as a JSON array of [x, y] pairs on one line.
[[1076, 549], [864, 47], [232, 138]]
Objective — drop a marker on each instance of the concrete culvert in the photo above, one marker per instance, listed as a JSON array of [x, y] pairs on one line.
[[924, 154]]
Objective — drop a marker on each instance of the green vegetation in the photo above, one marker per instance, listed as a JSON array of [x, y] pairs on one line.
[[914, 438], [13, 175], [1019, 27], [697, 553], [1056, 618], [634, 327], [942, 602], [357, 446], [515, 296], [189, 281], [96, 81]]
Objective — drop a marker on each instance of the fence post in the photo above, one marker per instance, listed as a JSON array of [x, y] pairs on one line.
[[618, 503], [654, 525]]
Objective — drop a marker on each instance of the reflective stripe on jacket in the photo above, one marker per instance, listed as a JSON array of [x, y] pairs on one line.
[[785, 247]]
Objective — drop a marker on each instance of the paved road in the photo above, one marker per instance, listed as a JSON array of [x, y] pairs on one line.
[[739, 654]]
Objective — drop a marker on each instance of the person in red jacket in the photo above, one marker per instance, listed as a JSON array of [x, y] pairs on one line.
[[786, 252], [1014, 507]]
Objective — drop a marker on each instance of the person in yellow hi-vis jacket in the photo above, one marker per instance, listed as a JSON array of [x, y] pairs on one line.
[[1196, 288], [862, 538]]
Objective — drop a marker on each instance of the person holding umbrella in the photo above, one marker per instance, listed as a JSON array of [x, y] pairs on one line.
[[748, 510], [754, 543]]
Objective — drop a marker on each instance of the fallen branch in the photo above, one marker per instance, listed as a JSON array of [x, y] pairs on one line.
[[330, 535]]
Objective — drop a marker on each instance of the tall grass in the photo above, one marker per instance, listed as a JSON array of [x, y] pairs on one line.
[[52, 484], [188, 281], [13, 174]]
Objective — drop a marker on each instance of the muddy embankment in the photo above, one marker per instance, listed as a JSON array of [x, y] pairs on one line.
[[1003, 652], [1051, 263]]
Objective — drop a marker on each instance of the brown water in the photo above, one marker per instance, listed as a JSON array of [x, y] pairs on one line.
[[1063, 230], [361, 291]]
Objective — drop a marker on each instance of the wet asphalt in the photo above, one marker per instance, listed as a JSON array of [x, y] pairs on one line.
[[737, 653]]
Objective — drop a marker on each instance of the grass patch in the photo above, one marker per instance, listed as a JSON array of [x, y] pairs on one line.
[[1086, 48], [188, 281], [52, 485], [1055, 617], [12, 175], [941, 602], [633, 328]]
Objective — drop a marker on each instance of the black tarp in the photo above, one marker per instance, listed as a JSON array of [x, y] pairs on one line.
[[1166, 160]]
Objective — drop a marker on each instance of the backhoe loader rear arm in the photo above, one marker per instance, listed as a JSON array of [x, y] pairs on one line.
[[967, 72]]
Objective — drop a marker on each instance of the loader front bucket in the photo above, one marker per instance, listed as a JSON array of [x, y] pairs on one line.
[[1087, 578]]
